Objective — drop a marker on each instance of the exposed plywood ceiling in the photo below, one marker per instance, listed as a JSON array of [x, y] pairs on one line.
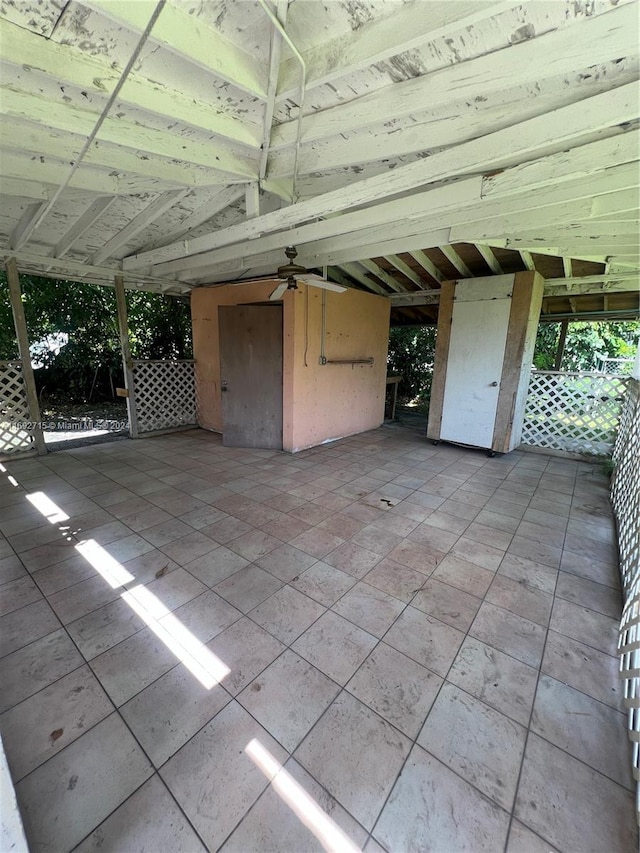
[[187, 142]]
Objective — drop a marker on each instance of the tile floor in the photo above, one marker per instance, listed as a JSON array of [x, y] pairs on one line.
[[422, 637]]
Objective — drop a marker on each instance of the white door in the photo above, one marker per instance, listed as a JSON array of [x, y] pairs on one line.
[[474, 367]]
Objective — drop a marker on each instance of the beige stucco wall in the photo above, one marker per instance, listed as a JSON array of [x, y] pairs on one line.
[[333, 400], [320, 402]]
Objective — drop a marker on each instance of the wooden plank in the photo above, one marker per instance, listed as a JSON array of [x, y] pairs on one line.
[[456, 261], [220, 201], [599, 39], [281, 10], [22, 336], [97, 76], [21, 233], [443, 338], [383, 275], [357, 274], [528, 261], [526, 301], [188, 37], [512, 143], [406, 270], [252, 200], [489, 258], [427, 264], [82, 225], [151, 212], [403, 29], [127, 362], [223, 163]]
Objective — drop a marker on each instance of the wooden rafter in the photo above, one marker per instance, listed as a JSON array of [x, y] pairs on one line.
[[456, 261], [406, 270], [82, 225]]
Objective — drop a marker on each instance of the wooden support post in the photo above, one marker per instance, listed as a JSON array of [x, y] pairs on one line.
[[127, 363], [13, 278], [564, 325]]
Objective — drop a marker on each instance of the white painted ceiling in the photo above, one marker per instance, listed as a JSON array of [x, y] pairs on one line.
[[423, 140]]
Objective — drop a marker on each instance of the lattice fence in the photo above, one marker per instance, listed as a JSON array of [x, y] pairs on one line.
[[14, 409], [625, 498], [165, 394], [576, 412]]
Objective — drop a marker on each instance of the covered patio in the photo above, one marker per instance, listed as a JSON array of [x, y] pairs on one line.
[[376, 644]]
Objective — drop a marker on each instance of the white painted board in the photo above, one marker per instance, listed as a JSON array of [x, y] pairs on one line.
[[474, 370]]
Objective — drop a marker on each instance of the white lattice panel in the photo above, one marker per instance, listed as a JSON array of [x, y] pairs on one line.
[[576, 412], [165, 394], [14, 409], [625, 497]]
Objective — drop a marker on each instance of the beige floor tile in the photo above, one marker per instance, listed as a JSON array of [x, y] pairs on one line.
[[430, 805], [433, 537], [317, 542], [464, 575], [533, 574], [355, 755], [497, 521], [21, 627], [503, 682], [594, 596], [369, 608], [425, 639], [462, 732], [447, 604], [213, 777], [278, 820], [286, 562], [488, 535], [521, 598], [584, 625], [447, 521], [518, 637], [396, 580], [248, 587], [477, 553], [217, 565], [17, 594], [11, 567], [152, 818], [605, 573], [246, 649], [254, 544], [323, 583], [584, 668], [29, 669], [287, 614], [422, 558], [68, 796], [127, 668], [335, 646], [584, 727], [573, 807], [539, 552], [205, 616], [396, 687], [226, 529], [48, 721], [524, 840], [170, 711], [103, 628], [288, 697]]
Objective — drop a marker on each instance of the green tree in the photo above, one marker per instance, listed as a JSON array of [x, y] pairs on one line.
[[411, 354], [585, 342], [160, 327]]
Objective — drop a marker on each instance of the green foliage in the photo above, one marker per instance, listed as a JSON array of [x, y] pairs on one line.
[[586, 341], [411, 354], [160, 327]]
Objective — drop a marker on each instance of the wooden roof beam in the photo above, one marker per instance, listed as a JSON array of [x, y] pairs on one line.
[[489, 258], [601, 39], [527, 260], [427, 264], [82, 225], [97, 76], [188, 37], [23, 229], [476, 155], [406, 270], [404, 29], [456, 261], [383, 275], [151, 212], [354, 271]]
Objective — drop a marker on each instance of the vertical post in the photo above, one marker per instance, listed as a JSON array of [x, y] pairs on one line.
[[127, 363], [13, 278], [564, 325]]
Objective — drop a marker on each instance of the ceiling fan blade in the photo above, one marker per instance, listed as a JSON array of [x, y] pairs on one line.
[[318, 281], [278, 292]]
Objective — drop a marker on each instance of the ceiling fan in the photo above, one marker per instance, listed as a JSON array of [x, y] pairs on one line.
[[291, 273]]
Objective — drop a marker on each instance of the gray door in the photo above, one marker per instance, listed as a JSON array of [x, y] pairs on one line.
[[251, 375]]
